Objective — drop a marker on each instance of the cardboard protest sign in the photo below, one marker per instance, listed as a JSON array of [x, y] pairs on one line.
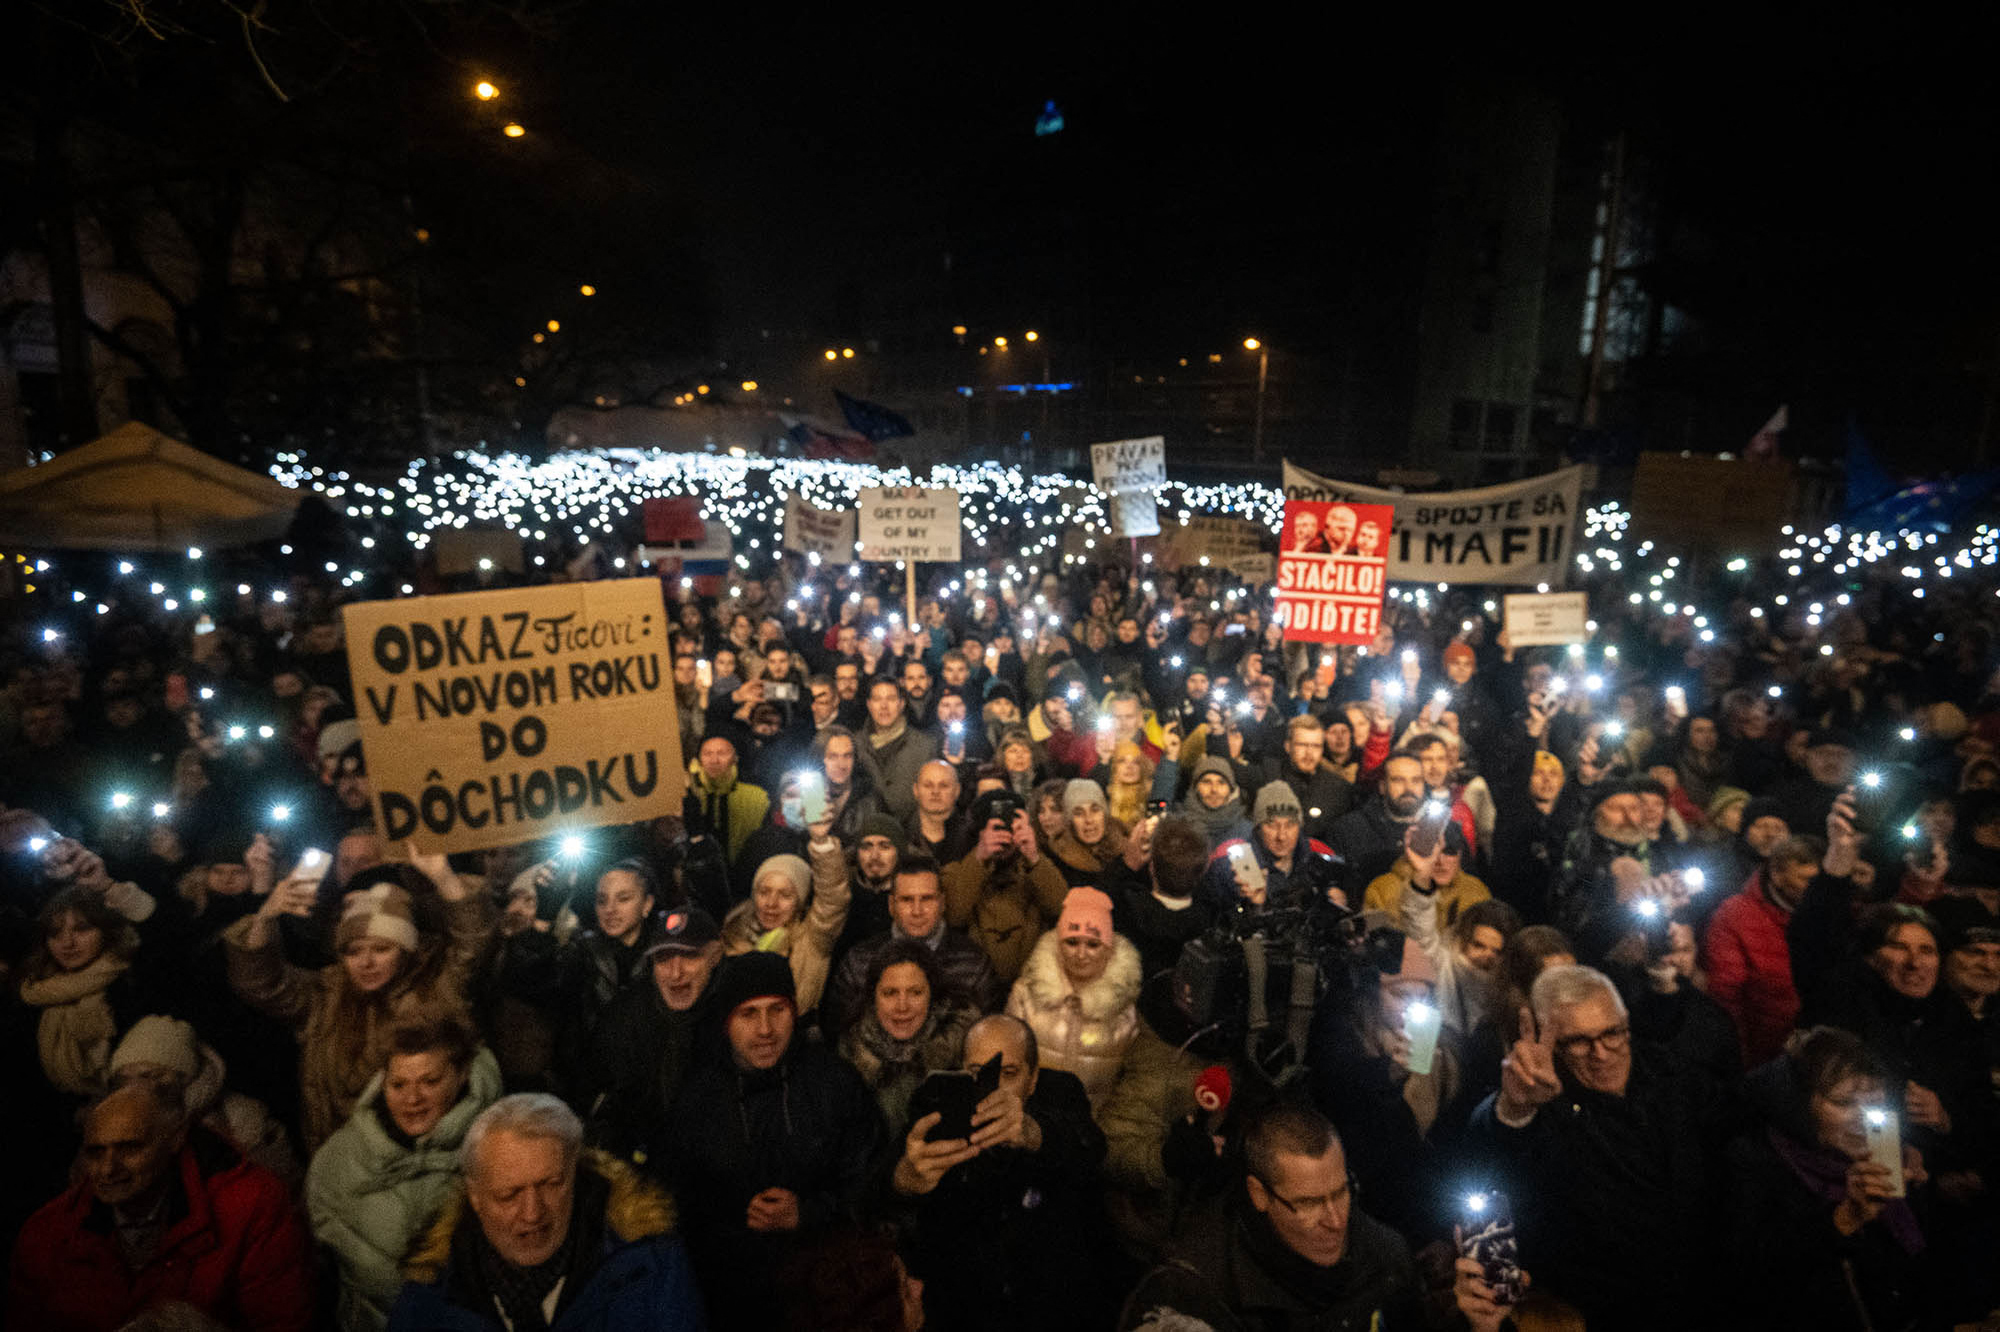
[[909, 523], [1130, 472], [1516, 533], [1333, 570], [1536, 620], [810, 530], [1222, 540], [458, 550], [496, 717], [1255, 570]]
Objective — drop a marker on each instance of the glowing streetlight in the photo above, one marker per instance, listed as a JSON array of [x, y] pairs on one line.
[[586, 290], [701, 388], [555, 325], [847, 353], [832, 355], [1032, 336], [513, 130], [1251, 344], [485, 91], [1001, 343], [749, 386], [958, 329]]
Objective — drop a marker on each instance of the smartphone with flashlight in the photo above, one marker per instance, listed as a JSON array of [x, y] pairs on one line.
[[954, 738], [1427, 835], [1486, 1235], [1884, 1134], [1422, 1021], [812, 798], [1250, 877], [704, 674]]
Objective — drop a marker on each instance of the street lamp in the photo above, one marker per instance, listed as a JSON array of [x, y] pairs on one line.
[[485, 91], [513, 130], [1031, 335], [832, 355], [1001, 343], [1263, 372]]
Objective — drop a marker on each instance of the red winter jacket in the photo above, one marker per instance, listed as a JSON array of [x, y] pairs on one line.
[[1750, 970], [236, 1251]]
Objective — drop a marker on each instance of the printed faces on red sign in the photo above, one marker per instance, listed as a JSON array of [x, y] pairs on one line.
[[1333, 563]]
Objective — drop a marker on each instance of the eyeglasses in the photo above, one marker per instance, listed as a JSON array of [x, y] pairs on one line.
[[1312, 1209], [1611, 1040]]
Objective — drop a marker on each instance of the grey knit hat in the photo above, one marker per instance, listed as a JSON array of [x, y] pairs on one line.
[[1274, 801], [1080, 792], [1219, 766]]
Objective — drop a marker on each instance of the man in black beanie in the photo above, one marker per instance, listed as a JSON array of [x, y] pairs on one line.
[[774, 1140]]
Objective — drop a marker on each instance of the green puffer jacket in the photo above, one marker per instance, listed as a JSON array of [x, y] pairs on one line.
[[369, 1197]]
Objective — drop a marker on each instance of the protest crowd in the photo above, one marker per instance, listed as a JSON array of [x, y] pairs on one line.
[[1078, 955]]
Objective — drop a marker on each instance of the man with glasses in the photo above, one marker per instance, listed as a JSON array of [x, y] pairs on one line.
[[1292, 1250], [1607, 1150]]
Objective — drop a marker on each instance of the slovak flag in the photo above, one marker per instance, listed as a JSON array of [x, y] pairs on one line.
[[1764, 444]]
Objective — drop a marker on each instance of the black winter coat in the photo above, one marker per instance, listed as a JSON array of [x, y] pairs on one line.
[[809, 1125], [1612, 1192]]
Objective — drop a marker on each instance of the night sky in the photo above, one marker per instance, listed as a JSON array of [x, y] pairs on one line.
[[830, 176], [1829, 190]]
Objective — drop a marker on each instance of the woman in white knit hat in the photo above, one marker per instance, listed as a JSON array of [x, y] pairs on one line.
[[797, 911], [385, 969]]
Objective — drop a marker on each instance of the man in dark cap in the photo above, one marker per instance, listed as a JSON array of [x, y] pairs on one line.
[[651, 1034], [1805, 799], [771, 1141]]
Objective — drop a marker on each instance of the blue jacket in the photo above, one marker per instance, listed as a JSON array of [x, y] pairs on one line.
[[643, 1282]]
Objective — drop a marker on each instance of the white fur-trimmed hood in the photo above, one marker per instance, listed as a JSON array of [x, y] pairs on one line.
[[1101, 1000]]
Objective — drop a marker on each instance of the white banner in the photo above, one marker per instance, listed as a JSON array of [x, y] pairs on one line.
[[909, 523], [1517, 533], [811, 530], [1551, 618]]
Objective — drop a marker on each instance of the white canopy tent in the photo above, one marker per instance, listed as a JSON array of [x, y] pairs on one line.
[[137, 489]]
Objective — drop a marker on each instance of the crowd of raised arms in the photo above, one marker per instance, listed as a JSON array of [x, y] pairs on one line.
[[1088, 957]]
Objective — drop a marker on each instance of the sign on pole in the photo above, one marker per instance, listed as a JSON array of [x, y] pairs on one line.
[[1130, 472], [811, 530], [496, 717], [909, 523], [1517, 533], [1333, 570], [1538, 620]]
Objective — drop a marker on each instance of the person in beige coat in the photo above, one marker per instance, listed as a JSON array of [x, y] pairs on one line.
[[797, 911], [386, 971], [1080, 994]]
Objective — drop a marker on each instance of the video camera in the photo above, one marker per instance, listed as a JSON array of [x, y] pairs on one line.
[[1252, 984]]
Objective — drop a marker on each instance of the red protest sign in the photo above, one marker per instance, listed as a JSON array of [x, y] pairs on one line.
[[672, 518], [1333, 567]]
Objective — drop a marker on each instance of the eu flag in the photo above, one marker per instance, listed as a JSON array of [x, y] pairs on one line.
[[877, 423]]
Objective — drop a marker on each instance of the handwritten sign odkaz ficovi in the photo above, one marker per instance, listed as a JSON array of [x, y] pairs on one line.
[[497, 717], [909, 523]]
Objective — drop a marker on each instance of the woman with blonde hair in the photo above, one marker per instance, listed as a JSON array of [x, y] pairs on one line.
[[385, 970], [1130, 784]]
